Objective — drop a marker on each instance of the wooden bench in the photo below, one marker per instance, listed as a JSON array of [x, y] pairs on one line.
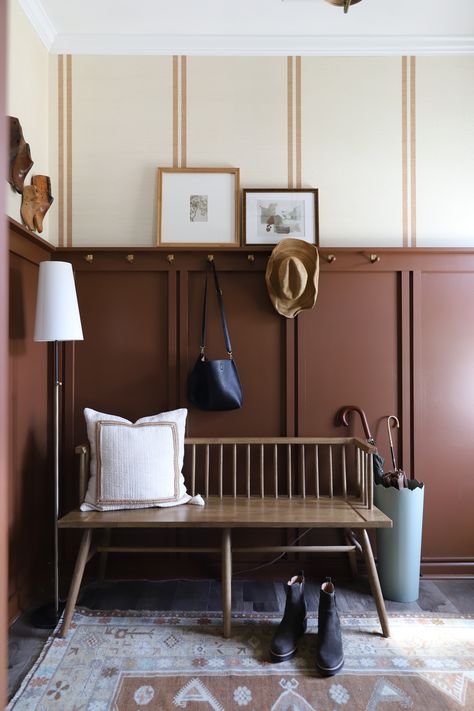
[[282, 482]]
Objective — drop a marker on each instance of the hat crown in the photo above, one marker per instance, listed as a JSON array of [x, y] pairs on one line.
[[293, 277]]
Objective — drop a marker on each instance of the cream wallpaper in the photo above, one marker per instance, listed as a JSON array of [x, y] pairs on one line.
[[28, 100], [388, 141]]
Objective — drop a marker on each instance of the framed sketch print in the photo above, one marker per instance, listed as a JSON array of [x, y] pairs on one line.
[[198, 207], [271, 215]]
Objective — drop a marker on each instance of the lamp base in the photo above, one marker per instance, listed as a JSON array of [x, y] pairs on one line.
[[45, 617]]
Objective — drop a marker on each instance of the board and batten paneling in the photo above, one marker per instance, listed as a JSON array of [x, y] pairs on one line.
[[443, 410], [258, 342], [348, 352], [30, 480]]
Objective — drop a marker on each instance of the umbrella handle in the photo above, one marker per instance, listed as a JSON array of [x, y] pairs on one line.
[[353, 408], [391, 418]]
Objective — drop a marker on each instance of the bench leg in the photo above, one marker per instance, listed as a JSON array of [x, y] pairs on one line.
[[104, 555], [226, 580], [374, 582], [76, 580]]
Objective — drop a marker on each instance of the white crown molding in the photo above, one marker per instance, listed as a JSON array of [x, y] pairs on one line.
[[253, 45], [36, 14]]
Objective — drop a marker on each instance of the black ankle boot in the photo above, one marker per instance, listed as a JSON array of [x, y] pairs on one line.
[[293, 624], [329, 653]]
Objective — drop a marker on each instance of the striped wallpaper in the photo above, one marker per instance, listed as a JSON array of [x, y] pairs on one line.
[[365, 131]]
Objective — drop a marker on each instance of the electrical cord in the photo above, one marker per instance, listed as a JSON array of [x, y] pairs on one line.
[[274, 560]]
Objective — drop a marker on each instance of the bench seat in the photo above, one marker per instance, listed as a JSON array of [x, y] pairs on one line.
[[241, 512]]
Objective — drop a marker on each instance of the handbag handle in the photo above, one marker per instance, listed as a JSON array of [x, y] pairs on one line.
[[221, 309]]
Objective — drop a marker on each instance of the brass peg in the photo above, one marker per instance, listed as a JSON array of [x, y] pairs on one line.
[[210, 257], [89, 258], [170, 258], [331, 258], [374, 258], [130, 258], [251, 257]]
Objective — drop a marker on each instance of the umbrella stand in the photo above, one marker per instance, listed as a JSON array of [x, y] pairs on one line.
[[399, 548]]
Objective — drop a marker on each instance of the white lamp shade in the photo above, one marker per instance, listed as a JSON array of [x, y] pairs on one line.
[[57, 311]]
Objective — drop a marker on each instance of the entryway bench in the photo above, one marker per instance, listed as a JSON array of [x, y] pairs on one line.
[[281, 482]]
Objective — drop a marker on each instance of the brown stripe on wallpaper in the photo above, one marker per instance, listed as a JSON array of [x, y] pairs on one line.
[[294, 121], [61, 150], [298, 121], [290, 120], [69, 148], [175, 111], [413, 148], [179, 111]]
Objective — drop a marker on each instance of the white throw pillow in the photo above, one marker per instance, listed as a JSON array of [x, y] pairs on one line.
[[135, 465]]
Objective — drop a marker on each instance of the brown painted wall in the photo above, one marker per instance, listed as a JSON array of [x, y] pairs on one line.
[[30, 484], [3, 371], [389, 336]]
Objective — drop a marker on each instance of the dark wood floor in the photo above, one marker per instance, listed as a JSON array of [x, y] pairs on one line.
[[26, 641]]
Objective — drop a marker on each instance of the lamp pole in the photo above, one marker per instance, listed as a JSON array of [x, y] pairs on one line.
[[57, 320]]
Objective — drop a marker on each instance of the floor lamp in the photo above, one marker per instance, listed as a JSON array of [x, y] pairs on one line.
[[57, 319]]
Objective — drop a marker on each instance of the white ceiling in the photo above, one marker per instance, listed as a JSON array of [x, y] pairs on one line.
[[224, 27]]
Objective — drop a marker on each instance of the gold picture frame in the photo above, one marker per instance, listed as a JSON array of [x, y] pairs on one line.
[[198, 207]]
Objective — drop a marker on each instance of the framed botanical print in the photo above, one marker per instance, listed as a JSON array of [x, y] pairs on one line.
[[198, 207]]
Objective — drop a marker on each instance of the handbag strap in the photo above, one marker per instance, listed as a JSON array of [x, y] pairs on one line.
[[221, 309]]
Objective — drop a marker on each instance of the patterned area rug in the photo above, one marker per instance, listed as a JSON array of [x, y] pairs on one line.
[[151, 661]]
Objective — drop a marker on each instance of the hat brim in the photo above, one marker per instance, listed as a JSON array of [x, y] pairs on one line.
[[309, 256]]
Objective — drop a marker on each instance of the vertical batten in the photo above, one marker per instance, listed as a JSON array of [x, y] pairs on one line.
[[275, 468], [344, 472], [248, 471], [234, 469], [289, 471], [331, 473], [221, 469], [262, 471], [193, 470], [206, 470]]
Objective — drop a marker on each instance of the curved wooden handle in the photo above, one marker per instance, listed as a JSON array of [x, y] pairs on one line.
[[353, 408]]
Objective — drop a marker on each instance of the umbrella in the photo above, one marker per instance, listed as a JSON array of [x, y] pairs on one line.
[[397, 477], [378, 460]]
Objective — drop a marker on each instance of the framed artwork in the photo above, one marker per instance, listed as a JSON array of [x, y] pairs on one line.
[[198, 207], [271, 215]]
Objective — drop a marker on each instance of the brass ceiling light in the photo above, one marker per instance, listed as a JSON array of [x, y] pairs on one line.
[[343, 3]]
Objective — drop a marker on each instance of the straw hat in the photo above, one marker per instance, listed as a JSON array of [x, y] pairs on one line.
[[292, 276]]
